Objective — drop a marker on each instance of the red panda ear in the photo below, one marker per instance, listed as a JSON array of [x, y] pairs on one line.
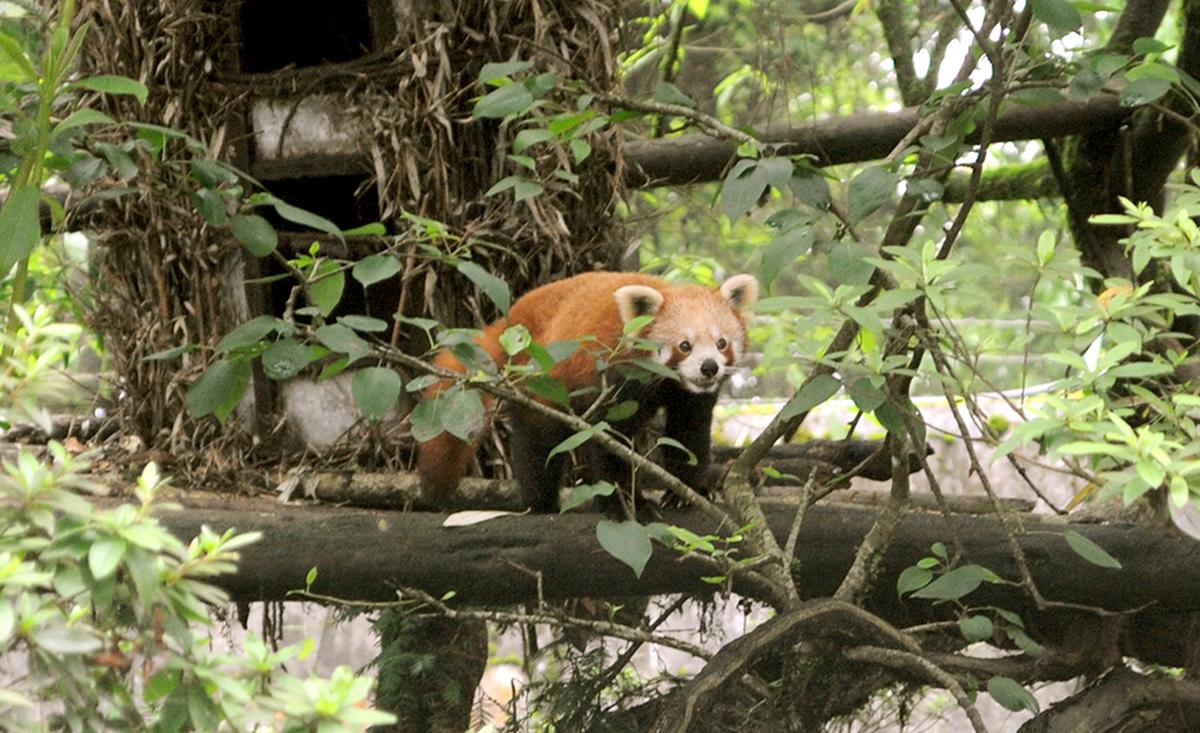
[[637, 300], [741, 291]]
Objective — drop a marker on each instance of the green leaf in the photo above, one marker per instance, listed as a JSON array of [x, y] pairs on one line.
[[580, 495], [633, 325], [655, 368], [976, 628], [11, 48], [743, 186], [366, 324], [420, 383], [463, 414], [120, 161], [20, 228], [1046, 243], [530, 136], [913, 578], [81, 117], [580, 150], [954, 584], [493, 71], [668, 93], [1037, 97], [510, 99], [627, 541], [698, 8], [112, 84], [426, 420], [1058, 14], [1143, 46], [343, 340], [515, 339], [621, 411], [251, 333], [544, 385], [1089, 550], [810, 395], [577, 439], [66, 640], [8, 620], [285, 358], [891, 418], [220, 389], [671, 442], [372, 229], [325, 290], [493, 287], [503, 185], [375, 268], [211, 173], [525, 189], [255, 233], [104, 556], [867, 397], [303, 217], [1024, 642], [811, 188], [782, 252], [211, 206], [160, 685], [1010, 694], [1143, 91], [869, 191], [778, 170], [376, 391]]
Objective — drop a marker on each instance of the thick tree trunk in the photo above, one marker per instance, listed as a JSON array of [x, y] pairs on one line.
[[365, 555]]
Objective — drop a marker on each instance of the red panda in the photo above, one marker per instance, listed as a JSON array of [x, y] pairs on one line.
[[700, 334]]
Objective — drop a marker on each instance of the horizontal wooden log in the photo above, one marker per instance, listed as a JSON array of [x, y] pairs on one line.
[[365, 554], [698, 158], [851, 139]]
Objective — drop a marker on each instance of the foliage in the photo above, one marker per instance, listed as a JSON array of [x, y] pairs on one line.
[[1131, 436], [1117, 404], [110, 613], [38, 94], [31, 378]]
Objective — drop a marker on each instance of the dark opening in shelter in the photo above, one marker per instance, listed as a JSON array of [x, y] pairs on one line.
[[336, 198], [281, 33]]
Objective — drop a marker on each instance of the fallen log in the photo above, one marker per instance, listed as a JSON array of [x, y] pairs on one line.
[[366, 554]]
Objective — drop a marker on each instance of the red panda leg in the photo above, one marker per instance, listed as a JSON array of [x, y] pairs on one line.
[[533, 437], [441, 464], [689, 420]]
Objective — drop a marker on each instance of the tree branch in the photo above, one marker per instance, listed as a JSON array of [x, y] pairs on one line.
[[854, 138]]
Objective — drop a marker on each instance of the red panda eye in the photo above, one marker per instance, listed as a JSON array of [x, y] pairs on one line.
[[721, 344], [685, 346]]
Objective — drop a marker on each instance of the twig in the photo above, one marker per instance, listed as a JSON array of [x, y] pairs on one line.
[[776, 632], [606, 628], [705, 122], [922, 667]]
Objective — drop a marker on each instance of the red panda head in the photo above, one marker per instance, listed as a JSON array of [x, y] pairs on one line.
[[702, 331]]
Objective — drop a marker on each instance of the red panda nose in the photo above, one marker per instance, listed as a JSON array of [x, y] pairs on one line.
[[709, 368]]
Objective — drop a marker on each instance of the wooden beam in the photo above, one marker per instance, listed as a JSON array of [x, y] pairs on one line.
[[850, 139], [365, 554]]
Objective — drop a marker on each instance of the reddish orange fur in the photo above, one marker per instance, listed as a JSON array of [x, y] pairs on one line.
[[583, 305]]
